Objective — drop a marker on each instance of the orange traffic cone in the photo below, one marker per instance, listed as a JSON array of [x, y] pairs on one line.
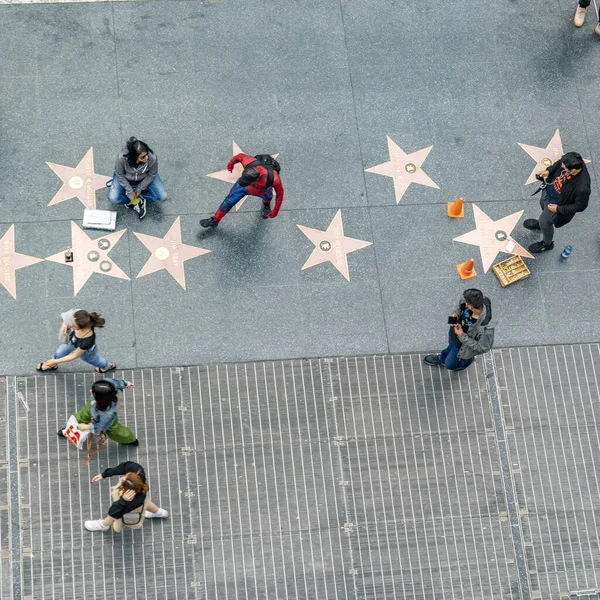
[[466, 270], [456, 210]]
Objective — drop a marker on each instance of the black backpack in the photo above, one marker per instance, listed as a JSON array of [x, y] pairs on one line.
[[250, 173]]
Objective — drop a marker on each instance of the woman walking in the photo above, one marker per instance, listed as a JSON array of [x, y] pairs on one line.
[[131, 501], [99, 413], [136, 179], [81, 343]]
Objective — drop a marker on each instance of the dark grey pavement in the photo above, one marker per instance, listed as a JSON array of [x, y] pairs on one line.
[[322, 83], [367, 477]]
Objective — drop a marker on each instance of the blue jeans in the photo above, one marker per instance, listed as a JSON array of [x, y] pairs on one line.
[[237, 192], [155, 192], [449, 356], [91, 356]]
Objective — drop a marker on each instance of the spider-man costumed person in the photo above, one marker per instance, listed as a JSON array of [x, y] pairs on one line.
[[259, 178]]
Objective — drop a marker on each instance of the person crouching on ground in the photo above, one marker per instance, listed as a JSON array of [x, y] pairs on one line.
[[131, 501], [471, 333], [100, 412], [136, 179]]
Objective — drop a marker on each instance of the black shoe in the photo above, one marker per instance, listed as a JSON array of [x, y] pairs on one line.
[[540, 247], [134, 443], [266, 210], [433, 360], [532, 224], [60, 433], [140, 208], [212, 222], [129, 205]]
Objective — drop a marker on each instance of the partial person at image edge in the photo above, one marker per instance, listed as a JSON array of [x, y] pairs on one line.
[[136, 179], [567, 191], [472, 335], [580, 13]]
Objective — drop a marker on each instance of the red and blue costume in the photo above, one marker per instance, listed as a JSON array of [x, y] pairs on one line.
[[259, 188]]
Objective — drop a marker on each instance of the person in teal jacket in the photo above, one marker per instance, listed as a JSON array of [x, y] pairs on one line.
[[100, 412]]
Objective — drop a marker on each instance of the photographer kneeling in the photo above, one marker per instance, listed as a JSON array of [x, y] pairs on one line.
[[471, 333]]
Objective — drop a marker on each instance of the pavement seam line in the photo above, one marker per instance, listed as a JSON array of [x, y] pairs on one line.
[[16, 558], [508, 479]]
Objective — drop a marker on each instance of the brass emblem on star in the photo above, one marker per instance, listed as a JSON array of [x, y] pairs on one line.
[[545, 157], [404, 168], [332, 245], [79, 182], [168, 253], [83, 248], [103, 244], [231, 178], [493, 237]]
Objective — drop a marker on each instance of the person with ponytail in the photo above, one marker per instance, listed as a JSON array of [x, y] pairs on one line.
[[131, 501], [136, 179], [99, 414], [81, 343]]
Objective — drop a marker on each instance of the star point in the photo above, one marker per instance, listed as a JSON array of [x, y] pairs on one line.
[[168, 253], [404, 168], [231, 178], [332, 245], [80, 182], [493, 237], [90, 256], [11, 261]]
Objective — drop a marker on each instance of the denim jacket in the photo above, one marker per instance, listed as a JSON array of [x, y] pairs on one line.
[[103, 419]]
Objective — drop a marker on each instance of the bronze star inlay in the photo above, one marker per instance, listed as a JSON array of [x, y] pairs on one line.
[[11, 261], [90, 256], [545, 157], [493, 237], [169, 253], [332, 245], [404, 168], [231, 178], [80, 182]]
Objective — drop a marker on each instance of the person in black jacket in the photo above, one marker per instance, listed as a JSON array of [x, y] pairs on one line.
[[567, 192], [131, 502]]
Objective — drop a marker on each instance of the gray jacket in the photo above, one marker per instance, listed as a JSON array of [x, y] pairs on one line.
[[138, 177], [480, 337]]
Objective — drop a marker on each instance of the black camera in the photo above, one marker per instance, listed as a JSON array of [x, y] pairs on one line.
[[452, 320]]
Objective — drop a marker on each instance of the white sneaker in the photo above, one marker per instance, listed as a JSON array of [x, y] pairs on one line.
[[579, 16], [96, 525], [161, 513]]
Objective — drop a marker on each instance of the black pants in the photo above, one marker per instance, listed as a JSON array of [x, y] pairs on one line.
[[584, 3]]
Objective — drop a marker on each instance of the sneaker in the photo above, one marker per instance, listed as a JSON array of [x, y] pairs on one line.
[[161, 514], [540, 247], [212, 222], [140, 208], [129, 205], [266, 210], [532, 224], [96, 525], [433, 359], [579, 16], [60, 433]]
